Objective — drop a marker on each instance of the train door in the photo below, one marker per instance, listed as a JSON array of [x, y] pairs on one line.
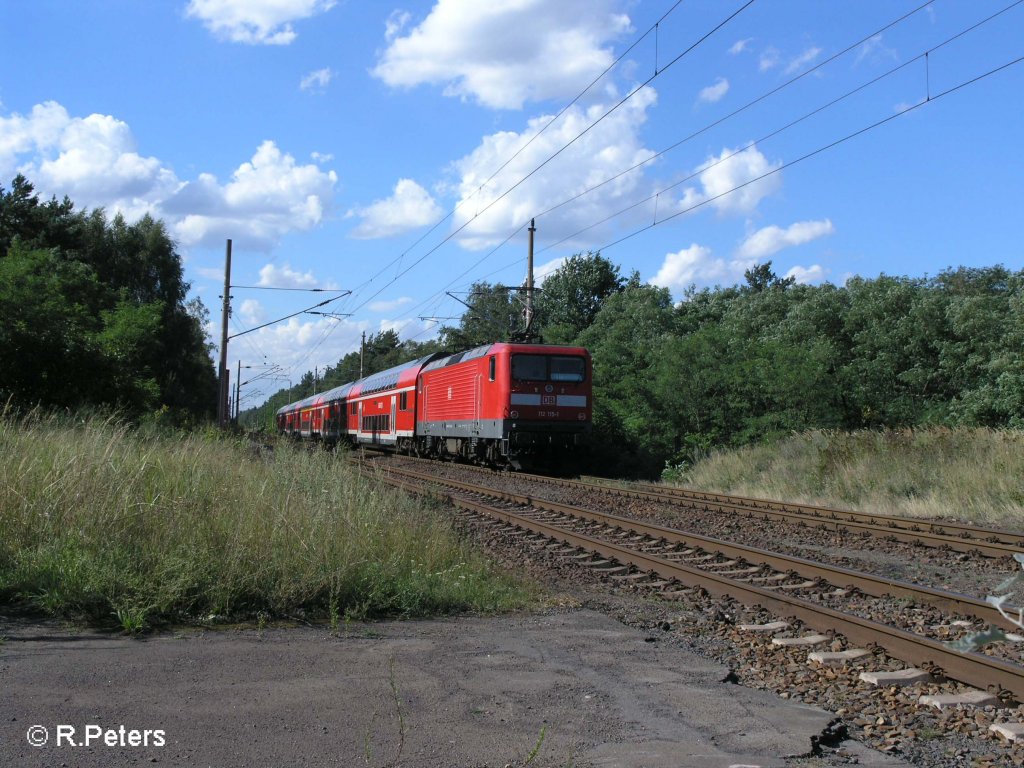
[[393, 426], [359, 422]]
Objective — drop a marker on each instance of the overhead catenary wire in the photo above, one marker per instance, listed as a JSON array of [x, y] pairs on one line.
[[572, 141], [929, 100], [254, 345], [695, 134], [931, 97], [277, 288], [728, 156], [447, 239], [508, 191], [523, 147]]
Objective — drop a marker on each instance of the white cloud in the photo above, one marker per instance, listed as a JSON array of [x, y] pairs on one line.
[[252, 312], [503, 54], [266, 198], [770, 240], [285, 277], [804, 275], [697, 266], [740, 46], [322, 157], [94, 160], [211, 273], [267, 22], [41, 129], [545, 270], [409, 207], [290, 344], [396, 24], [406, 329], [906, 106], [769, 58], [690, 265], [317, 79], [714, 92], [391, 305], [802, 60], [720, 175], [613, 145], [299, 344], [874, 50]]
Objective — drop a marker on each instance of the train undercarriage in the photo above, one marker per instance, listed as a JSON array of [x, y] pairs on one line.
[[520, 451]]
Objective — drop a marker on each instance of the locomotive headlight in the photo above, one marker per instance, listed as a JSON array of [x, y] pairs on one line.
[[581, 416], [514, 414]]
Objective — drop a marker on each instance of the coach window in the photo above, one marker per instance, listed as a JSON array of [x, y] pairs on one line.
[[490, 368]]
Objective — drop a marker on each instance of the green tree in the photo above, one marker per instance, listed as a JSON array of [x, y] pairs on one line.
[[573, 294], [625, 340], [124, 294], [48, 329], [493, 314]]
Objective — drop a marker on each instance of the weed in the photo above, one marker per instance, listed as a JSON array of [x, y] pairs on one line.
[[99, 518], [399, 715], [398, 710], [536, 747], [368, 740], [335, 616], [131, 619], [965, 473]]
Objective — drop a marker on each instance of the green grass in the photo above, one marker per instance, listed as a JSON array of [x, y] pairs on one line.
[[963, 473], [129, 529]]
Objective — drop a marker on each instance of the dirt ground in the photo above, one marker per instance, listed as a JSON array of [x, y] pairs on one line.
[[565, 688]]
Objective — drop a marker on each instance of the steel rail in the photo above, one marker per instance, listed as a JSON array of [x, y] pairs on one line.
[[876, 586], [1013, 540], [955, 536], [972, 668], [900, 529]]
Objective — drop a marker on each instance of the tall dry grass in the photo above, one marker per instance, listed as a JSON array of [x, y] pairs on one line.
[[101, 521], [967, 474]]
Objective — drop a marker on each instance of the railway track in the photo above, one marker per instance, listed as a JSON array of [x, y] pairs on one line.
[[669, 562], [955, 536], [993, 541]]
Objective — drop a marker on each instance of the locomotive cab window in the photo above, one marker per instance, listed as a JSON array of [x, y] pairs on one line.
[[548, 368], [567, 368], [490, 368], [530, 367]]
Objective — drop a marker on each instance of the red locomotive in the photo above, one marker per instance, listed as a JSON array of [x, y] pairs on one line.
[[495, 404]]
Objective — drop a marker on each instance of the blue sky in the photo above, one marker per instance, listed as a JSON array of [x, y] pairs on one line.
[[327, 137]]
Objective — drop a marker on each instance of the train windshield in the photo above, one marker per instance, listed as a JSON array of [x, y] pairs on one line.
[[548, 368]]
